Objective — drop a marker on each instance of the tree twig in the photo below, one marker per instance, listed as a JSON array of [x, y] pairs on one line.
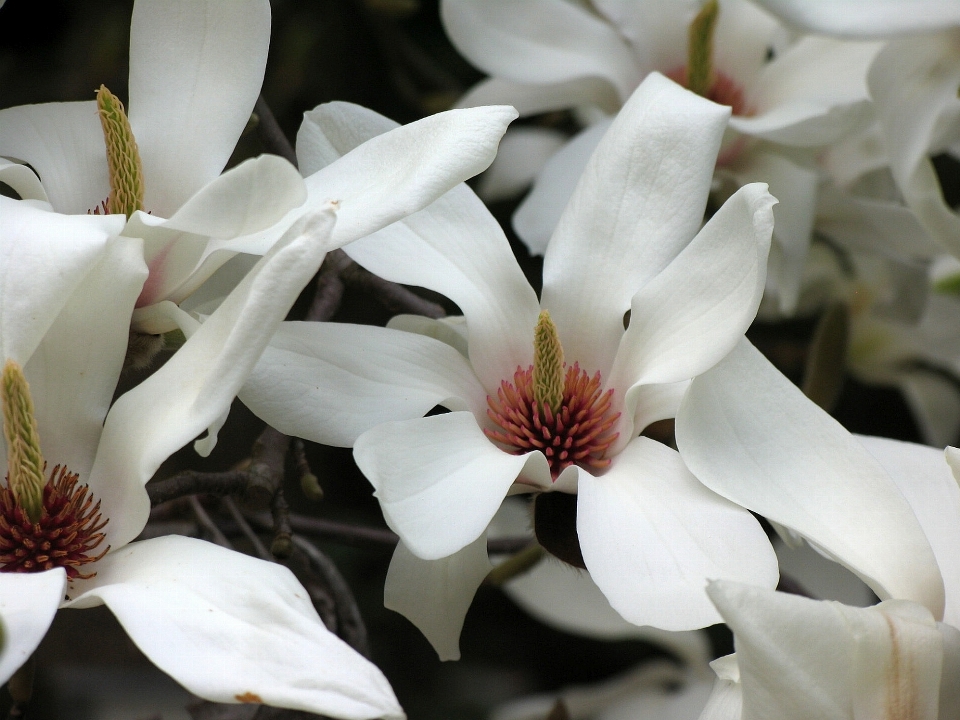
[[191, 482], [216, 534], [351, 626], [245, 528], [271, 133]]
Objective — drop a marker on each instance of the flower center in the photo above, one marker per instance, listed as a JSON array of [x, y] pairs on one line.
[[65, 535], [578, 432], [723, 90]]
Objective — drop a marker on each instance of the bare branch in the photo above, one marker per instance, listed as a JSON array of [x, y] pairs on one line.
[[245, 528], [352, 628], [216, 534], [271, 134]]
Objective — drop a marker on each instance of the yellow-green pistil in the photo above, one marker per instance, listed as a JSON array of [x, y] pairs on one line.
[[44, 523], [548, 375], [123, 157], [24, 459], [700, 49]]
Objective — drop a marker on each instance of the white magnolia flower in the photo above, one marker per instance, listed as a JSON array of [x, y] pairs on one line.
[[650, 534], [913, 83], [798, 658], [554, 54], [195, 73], [228, 627]]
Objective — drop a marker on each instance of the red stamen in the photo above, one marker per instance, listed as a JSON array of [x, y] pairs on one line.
[[66, 535], [577, 434]]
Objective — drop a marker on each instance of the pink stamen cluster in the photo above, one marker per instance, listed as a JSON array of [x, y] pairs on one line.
[[578, 433], [65, 536]]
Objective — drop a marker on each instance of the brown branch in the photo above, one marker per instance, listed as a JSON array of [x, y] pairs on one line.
[[207, 523], [282, 545], [247, 531], [351, 626], [191, 482], [392, 296], [271, 134]]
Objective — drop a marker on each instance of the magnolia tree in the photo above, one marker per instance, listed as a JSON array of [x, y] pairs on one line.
[[601, 426]]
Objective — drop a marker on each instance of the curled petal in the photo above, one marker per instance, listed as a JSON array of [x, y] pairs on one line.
[[232, 628]]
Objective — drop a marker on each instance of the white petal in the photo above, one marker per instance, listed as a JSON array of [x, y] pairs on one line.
[[198, 383], [750, 435], [653, 402], [652, 536], [435, 594], [535, 98], [28, 602], [331, 382], [795, 186], [195, 73], [657, 31], [523, 152], [913, 82], [744, 37], [397, 173], [802, 658], [726, 700], [812, 94], [872, 225], [247, 198], [685, 319], [925, 479], [440, 480], [639, 202], [455, 247], [874, 18], [22, 179], [63, 142], [541, 41], [537, 216], [44, 256], [450, 330], [74, 371], [231, 628], [568, 599]]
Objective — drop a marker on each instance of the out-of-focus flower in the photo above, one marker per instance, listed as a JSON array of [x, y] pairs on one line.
[[913, 82], [649, 533], [657, 690], [228, 627], [785, 98]]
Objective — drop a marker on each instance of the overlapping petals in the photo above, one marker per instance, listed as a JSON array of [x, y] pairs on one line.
[[750, 435], [800, 658]]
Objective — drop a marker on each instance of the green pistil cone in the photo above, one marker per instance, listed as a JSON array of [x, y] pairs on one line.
[[547, 363], [24, 460], [700, 49], [123, 157]]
